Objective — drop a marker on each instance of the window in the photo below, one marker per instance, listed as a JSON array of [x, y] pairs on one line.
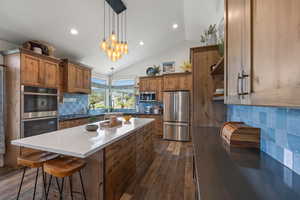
[[97, 98], [123, 94]]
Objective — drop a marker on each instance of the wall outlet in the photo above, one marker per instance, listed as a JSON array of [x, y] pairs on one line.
[[288, 158]]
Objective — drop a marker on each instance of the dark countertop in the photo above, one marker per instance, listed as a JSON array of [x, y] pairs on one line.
[[227, 173], [83, 116]]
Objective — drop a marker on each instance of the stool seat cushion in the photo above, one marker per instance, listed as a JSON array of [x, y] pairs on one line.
[[63, 166], [35, 159]]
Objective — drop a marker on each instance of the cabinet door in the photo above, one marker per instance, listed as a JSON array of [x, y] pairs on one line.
[[276, 45], [171, 82], [30, 70], [238, 49], [71, 77], [185, 82], [79, 78], [144, 85], [152, 85], [159, 91], [51, 74], [87, 80]]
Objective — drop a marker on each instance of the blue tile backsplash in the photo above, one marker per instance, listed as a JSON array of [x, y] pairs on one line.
[[73, 104], [280, 131]]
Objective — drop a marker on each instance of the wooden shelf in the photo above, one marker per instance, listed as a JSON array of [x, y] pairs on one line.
[[219, 68]]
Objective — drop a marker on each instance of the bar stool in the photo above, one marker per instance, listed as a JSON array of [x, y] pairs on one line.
[[36, 160], [61, 167]]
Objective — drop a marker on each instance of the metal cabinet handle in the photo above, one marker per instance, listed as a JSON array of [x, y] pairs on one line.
[[238, 84], [243, 77]]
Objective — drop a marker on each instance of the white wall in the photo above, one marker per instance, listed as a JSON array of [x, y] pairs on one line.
[[199, 14], [178, 53], [4, 45]]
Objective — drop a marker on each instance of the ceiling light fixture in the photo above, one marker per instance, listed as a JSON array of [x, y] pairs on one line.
[[142, 43], [74, 31], [175, 26], [114, 44]]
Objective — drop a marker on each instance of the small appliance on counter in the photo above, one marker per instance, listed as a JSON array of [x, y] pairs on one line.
[[147, 96], [176, 116], [238, 134], [148, 109], [157, 110]]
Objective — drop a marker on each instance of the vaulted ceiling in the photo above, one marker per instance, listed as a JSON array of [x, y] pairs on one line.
[[148, 20]]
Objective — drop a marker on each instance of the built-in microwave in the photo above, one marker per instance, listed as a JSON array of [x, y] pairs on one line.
[[39, 102], [147, 96]]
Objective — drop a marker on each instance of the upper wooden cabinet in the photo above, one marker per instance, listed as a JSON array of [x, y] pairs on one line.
[[178, 81], [167, 82], [274, 65], [38, 70], [238, 50], [152, 84], [77, 77]]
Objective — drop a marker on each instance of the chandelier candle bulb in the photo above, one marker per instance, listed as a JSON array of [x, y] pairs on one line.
[[109, 52], [113, 37], [104, 45]]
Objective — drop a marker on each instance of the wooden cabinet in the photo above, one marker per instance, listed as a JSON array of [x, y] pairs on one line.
[[158, 84], [144, 84], [158, 124], [273, 75], [160, 88], [39, 71], [152, 84], [77, 78], [180, 81], [238, 51], [126, 160], [205, 112], [78, 122]]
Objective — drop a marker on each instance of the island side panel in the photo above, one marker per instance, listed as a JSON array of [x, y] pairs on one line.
[[127, 160], [92, 175]]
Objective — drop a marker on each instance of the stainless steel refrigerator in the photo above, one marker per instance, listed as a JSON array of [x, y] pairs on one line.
[[177, 116], [2, 114]]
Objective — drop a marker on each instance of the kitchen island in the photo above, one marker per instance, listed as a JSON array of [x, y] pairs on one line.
[[114, 156]]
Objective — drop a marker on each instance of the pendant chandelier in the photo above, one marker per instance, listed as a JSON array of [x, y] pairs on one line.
[[114, 44]]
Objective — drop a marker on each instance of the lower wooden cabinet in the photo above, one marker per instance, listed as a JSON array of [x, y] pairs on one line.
[[126, 160], [158, 124], [78, 122]]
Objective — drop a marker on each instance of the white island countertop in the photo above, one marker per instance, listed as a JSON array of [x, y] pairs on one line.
[[78, 142]]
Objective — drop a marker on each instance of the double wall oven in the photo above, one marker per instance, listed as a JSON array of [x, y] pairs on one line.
[[39, 110]]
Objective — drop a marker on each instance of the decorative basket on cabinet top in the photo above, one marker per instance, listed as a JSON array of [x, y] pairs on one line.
[[238, 134]]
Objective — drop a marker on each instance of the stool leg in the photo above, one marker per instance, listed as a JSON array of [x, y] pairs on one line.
[[71, 188], [36, 178], [24, 170], [82, 185], [50, 180], [60, 189], [44, 181]]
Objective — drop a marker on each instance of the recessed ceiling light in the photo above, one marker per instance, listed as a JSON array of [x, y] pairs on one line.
[[142, 43], [175, 26], [74, 31]]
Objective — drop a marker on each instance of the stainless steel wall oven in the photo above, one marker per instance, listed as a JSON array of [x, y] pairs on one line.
[[39, 111]]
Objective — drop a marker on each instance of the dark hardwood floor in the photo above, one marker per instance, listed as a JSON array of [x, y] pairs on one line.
[[169, 177]]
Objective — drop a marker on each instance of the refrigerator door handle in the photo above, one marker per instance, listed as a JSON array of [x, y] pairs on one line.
[[176, 123]]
